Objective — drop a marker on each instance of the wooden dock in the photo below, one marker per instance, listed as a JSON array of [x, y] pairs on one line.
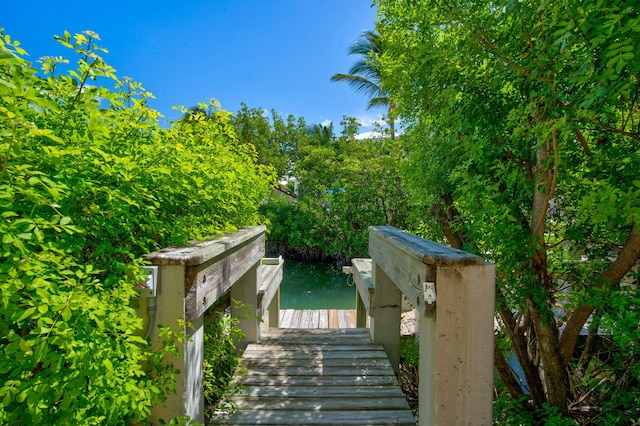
[[319, 376], [317, 318], [336, 318]]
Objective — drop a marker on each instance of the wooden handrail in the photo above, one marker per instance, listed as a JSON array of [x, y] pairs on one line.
[[197, 276], [453, 292]]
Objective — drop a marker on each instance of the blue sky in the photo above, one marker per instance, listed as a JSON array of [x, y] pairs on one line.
[[272, 54]]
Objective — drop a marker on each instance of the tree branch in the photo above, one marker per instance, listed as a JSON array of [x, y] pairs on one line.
[[627, 257]]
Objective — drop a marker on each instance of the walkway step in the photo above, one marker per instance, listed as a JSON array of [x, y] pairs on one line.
[[319, 376]]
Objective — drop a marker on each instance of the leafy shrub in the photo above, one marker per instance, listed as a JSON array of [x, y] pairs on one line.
[[221, 361], [89, 182]]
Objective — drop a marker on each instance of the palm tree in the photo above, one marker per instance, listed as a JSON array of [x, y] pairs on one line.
[[321, 134], [364, 75]]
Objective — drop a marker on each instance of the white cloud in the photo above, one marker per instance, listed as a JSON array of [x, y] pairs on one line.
[[370, 120], [326, 123]]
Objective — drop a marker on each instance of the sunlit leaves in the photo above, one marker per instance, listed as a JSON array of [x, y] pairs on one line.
[[485, 87], [89, 182]]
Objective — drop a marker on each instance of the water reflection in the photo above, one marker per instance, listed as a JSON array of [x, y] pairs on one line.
[[315, 286]]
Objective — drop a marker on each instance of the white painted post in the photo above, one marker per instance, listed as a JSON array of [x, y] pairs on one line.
[[245, 291], [385, 324]]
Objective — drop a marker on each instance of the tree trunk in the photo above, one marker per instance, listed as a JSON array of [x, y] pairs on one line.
[[519, 345], [555, 374]]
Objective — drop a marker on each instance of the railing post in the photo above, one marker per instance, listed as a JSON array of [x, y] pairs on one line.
[[464, 344], [274, 310], [385, 323], [361, 312], [427, 370], [190, 280], [189, 397], [453, 293], [245, 291]]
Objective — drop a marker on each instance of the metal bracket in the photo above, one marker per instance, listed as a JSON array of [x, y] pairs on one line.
[[148, 288], [429, 289]]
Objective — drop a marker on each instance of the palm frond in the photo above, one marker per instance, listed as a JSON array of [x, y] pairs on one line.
[[359, 83]]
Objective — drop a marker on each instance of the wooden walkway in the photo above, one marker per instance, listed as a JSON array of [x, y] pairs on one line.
[[319, 376]]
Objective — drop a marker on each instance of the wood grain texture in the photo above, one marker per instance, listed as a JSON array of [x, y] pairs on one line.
[[199, 252], [425, 251], [319, 376]]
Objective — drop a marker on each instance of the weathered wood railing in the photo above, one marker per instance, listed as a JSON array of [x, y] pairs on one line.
[[453, 293], [193, 278]]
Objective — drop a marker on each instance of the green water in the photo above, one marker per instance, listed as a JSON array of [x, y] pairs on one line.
[[315, 286]]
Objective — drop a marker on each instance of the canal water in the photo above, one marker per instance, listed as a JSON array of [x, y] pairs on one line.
[[315, 286]]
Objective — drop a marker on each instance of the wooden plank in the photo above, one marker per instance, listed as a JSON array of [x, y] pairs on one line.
[[408, 273], [333, 319], [295, 319], [281, 332], [318, 347], [342, 319], [315, 319], [363, 278], [385, 380], [322, 391], [200, 252], [285, 417], [271, 278], [323, 319], [285, 317], [305, 319], [351, 318], [270, 353], [361, 403], [326, 370], [425, 251], [319, 376], [209, 281]]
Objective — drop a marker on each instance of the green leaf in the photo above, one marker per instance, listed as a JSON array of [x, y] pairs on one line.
[[66, 314], [27, 313]]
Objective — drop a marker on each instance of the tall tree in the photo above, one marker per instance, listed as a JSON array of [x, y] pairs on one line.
[[364, 74], [523, 130]]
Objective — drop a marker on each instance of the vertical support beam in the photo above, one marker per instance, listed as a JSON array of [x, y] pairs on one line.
[[385, 325], [464, 344], [189, 397], [274, 310], [361, 312], [427, 371], [245, 291]]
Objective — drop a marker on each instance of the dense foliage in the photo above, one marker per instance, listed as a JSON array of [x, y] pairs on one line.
[[523, 124], [221, 364], [89, 182], [346, 185]]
